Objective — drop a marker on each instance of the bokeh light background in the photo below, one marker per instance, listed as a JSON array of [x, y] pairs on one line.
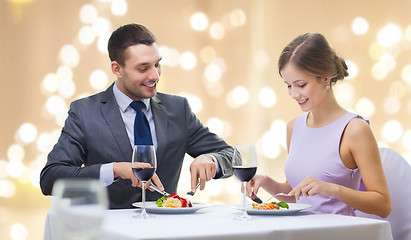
[[221, 55]]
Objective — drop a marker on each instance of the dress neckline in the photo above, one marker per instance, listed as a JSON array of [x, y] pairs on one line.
[[325, 126]]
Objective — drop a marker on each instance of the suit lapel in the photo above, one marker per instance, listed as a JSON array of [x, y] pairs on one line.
[[111, 114], [160, 121]]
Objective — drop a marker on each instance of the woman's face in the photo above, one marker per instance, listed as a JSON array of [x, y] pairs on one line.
[[309, 91]]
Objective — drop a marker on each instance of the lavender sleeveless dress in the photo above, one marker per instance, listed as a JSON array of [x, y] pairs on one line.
[[315, 152]]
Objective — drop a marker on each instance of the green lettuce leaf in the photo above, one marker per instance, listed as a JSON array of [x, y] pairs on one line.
[[161, 200], [283, 205]]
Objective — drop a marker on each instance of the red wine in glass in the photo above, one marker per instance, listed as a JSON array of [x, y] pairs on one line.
[[244, 165], [143, 174], [244, 174], [143, 165]]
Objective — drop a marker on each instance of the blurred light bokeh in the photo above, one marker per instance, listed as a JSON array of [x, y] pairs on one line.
[[221, 55]]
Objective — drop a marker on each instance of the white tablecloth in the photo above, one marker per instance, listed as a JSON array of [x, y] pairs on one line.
[[216, 222]]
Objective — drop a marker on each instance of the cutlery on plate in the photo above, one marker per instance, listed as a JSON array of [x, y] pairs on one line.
[[190, 194], [155, 188], [278, 194]]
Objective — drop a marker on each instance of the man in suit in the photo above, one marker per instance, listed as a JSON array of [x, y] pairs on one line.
[[97, 138]]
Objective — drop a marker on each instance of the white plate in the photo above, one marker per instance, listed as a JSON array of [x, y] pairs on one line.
[[294, 208], [152, 208]]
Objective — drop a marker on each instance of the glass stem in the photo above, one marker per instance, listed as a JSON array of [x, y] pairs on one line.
[[244, 198], [144, 196]]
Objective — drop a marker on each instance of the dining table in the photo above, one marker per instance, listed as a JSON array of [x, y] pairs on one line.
[[217, 222]]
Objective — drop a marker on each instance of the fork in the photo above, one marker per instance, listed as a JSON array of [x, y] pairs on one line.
[[190, 194], [278, 194]]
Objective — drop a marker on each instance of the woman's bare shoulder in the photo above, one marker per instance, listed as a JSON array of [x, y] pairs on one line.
[[358, 125], [358, 131]]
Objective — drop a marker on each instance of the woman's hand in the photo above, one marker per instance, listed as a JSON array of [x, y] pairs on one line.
[[254, 184], [311, 186]]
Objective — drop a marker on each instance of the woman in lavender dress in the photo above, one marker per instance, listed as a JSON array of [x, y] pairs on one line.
[[330, 150]]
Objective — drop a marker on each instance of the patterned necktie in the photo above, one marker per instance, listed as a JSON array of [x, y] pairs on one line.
[[142, 133]]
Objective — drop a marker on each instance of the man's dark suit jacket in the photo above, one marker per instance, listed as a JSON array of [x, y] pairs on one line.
[[94, 134]]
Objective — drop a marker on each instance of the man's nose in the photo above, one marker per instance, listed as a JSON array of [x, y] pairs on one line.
[[154, 74]]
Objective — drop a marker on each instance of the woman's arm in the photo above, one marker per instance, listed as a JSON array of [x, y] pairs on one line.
[[269, 184], [364, 150]]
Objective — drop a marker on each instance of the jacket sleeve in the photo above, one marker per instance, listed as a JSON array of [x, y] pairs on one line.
[[68, 156], [202, 141]]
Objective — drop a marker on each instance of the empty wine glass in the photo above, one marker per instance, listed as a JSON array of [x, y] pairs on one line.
[[79, 205], [245, 166], [144, 164]]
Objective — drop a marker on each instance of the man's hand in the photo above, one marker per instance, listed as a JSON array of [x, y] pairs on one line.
[[202, 169], [123, 170]]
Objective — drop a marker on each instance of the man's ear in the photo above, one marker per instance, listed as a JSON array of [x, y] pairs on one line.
[[116, 68]]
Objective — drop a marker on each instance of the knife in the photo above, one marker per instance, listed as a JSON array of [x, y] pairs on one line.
[[155, 188], [256, 199]]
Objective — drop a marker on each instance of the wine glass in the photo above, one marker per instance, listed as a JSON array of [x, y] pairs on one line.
[[79, 206], [245, 166], [144, 164]]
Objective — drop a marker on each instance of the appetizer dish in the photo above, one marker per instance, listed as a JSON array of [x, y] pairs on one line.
[[270, 206], [173, 201]]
